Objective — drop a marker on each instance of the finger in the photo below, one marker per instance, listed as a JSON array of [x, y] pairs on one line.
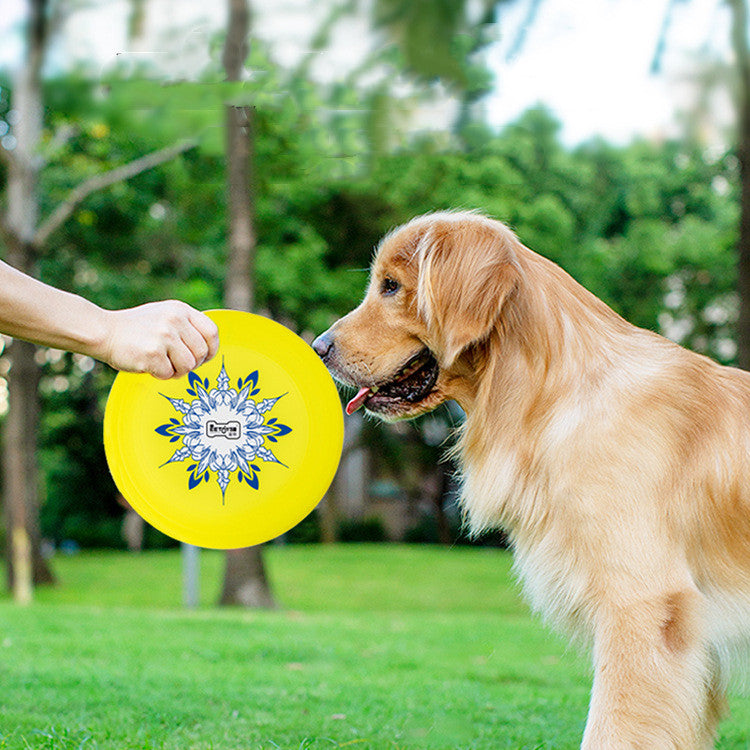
[[194, 341], [161, 367], [208, 330], [182, 359]]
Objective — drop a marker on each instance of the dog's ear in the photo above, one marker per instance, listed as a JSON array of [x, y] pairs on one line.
[[467, 269]]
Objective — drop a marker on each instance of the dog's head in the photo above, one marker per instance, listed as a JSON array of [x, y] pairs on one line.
[[437, 288]]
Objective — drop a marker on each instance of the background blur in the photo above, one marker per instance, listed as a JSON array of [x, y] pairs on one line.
[[251, 154], [603, 132]]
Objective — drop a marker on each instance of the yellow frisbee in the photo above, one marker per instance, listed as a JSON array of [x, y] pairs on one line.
[[237, 452]]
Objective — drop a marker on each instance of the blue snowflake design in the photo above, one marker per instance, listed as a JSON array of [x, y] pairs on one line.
[[223, 431]]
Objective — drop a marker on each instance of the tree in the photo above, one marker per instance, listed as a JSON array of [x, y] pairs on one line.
[[25, 563], [245, 580], [26, 238], [442, 41], [741, 48], [740, 43]]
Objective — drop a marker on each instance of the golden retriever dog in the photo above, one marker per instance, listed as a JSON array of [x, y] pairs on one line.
[[617, 461]]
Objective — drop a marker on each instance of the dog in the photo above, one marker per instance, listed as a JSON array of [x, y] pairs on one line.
[[617, 461]]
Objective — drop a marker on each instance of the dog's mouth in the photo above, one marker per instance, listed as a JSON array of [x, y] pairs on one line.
[[411, 384]]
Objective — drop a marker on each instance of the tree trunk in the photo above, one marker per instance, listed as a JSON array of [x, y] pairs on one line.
[[238, 288], [245, 580], [329, 517], [26, 566], [742, 57], [21, 499], [136, 21]]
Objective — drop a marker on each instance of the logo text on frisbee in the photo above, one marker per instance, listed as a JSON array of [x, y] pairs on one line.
[[224, 431], [229, 430]]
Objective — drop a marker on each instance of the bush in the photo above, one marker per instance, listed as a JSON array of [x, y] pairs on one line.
[[425, 532], [89, 533], [154, 539], [307, 531], [362, 530]]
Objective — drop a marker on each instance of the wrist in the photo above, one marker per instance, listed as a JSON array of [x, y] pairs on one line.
[[93, 336]]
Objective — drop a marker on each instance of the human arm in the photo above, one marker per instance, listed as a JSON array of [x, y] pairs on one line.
[[166, 339]]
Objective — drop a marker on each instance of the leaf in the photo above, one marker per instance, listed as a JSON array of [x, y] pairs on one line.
[[253, 481], [267, 404], [205, 399], [206, 458], [192, 377], [252, 379], [193, 482], [282, 429], [181, 406], [164, 429], [238, 402], [239, 457], [181, 454], [255, 392]]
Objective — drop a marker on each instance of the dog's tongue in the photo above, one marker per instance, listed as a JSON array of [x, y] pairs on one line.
[[357, 401]]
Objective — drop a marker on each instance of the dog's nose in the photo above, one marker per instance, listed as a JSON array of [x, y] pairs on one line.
[[323, 345]]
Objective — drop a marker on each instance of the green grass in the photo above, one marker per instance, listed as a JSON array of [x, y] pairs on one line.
[[375, 647]]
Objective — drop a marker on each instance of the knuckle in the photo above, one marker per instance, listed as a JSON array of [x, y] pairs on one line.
[[167, 334], [182, 370], [161, 372], [157, 362], [174, 313]]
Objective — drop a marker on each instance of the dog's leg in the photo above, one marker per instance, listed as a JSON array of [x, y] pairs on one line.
[[652, 676]]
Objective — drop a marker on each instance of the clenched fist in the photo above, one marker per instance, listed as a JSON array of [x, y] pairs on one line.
[[166, 339]]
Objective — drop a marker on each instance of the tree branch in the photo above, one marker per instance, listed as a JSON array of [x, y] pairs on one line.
[[76, 196], [522, 31], [7, 236], [236, 45], [739, 42], [6, 157]]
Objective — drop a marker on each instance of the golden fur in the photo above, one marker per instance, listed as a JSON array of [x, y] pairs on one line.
[[618, 462]]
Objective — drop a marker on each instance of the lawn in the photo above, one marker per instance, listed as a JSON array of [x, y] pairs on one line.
[[374, 647]]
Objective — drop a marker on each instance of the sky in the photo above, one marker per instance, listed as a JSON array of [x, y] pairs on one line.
[[588, 60]]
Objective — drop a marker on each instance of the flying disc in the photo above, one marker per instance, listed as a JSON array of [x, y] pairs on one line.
[[238, 451]]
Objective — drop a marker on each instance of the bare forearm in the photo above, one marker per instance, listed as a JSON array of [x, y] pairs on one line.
[[166, 339], [34, 311]]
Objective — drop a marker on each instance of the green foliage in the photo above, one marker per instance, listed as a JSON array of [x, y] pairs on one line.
[[649, 227], [632, 224], [361, 530], [307, 531]]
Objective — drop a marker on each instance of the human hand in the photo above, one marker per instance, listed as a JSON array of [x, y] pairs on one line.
[[166, 339]]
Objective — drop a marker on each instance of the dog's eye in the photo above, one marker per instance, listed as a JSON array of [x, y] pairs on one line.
[[389, 286]]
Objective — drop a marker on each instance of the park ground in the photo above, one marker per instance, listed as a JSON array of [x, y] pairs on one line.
[[372, 647]]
